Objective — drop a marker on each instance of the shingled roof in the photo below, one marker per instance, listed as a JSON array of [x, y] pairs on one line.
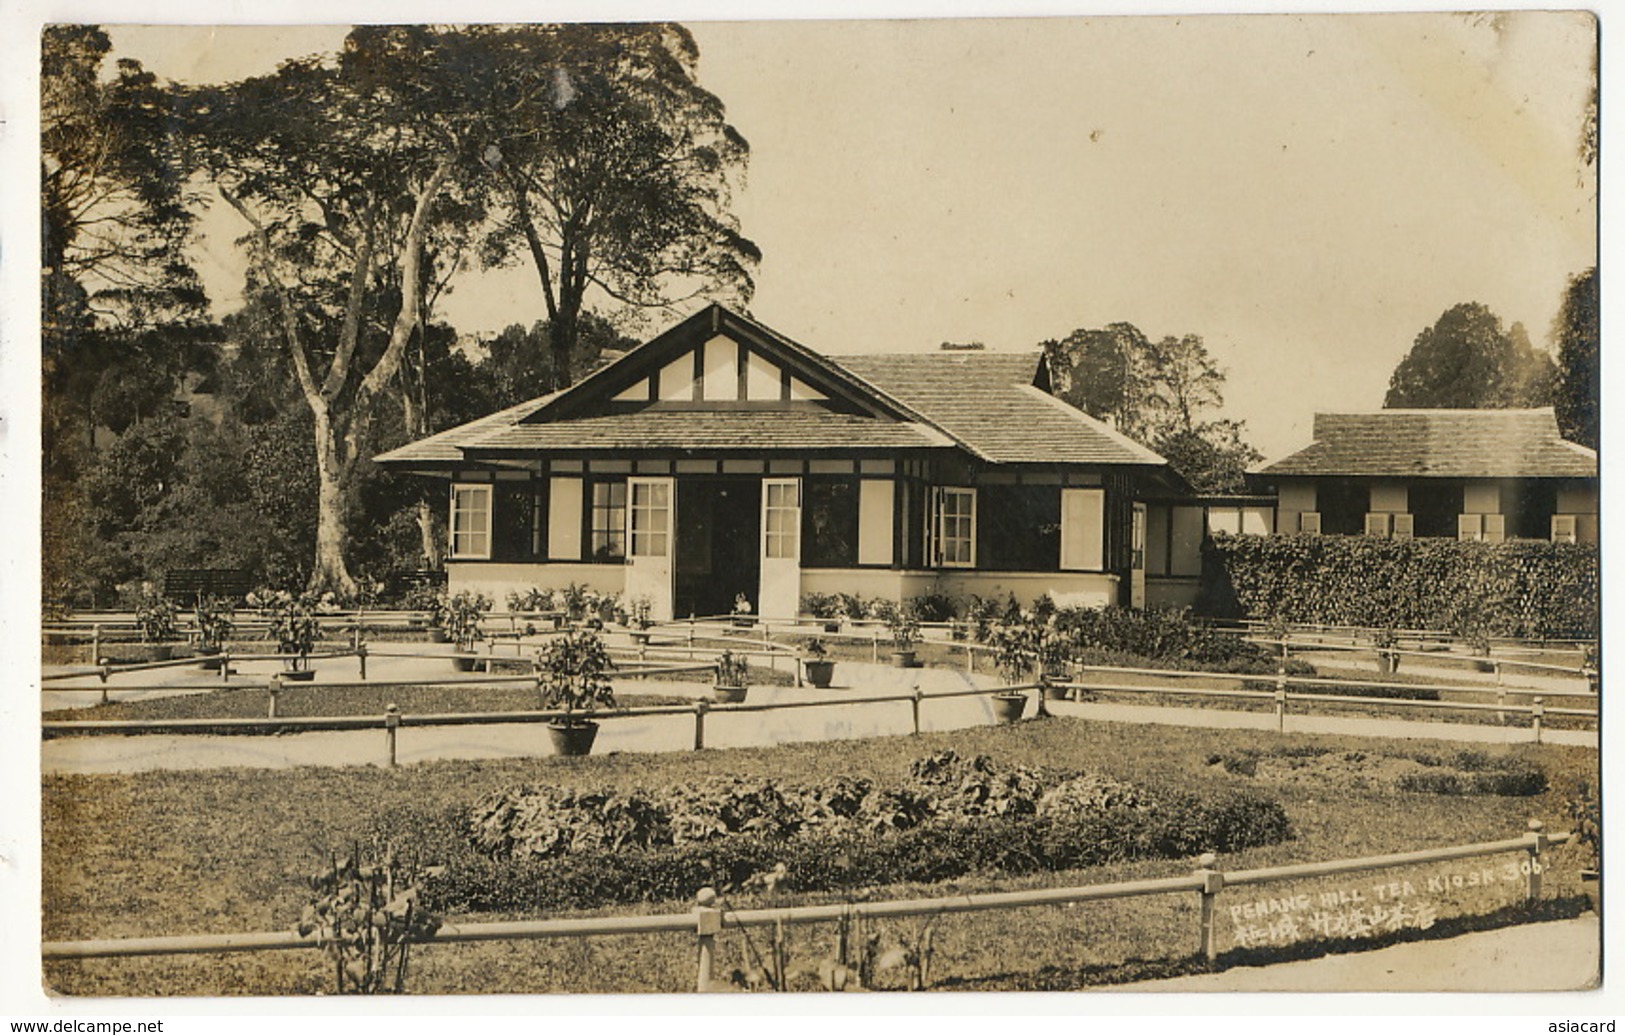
[[988, 402], [1438, 444], [798, 430]]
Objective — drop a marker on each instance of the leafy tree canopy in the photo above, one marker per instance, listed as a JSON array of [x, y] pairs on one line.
[[1468, 360], [1577, 334], [1159, 394]]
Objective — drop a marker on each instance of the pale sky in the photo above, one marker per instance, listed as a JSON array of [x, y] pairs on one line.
[[1305, 192]]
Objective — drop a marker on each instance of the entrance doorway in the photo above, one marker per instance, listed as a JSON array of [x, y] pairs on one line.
[[718, 545]]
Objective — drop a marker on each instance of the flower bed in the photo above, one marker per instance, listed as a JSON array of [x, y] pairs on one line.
[[542, 850]]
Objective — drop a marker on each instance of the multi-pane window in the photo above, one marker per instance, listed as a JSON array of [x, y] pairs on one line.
[[651, 511], [956, 527], [608, 520], [829, 522], [471, 521], [782, 520]]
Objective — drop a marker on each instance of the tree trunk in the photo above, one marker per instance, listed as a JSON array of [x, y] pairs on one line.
[[428, 531], [332, 524]]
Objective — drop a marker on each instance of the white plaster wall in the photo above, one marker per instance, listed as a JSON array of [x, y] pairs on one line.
[[1576, 501], [1069, 588], [1389, 498], [1297, 496], [1481, 497]]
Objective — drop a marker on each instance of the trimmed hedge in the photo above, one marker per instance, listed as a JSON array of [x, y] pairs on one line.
[[935, 851], [1522, 588]]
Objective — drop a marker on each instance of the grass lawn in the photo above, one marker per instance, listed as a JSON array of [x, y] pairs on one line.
[[228, 850]]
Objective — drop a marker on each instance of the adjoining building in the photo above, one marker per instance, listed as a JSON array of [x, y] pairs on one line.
[[1466, 474], [722, 460]]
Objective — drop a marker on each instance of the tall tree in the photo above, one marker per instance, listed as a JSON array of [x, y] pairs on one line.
[[1469, 360], [339, 170], [1577, 334], [122, 310], [1158, 393], [615, 167]]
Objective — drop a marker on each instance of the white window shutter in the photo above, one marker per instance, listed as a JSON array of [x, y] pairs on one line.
[[1563, 528], [1376, 524], [1470, 526], [1083, 529], [1404, 526], [1309, 522], [1495, 528]]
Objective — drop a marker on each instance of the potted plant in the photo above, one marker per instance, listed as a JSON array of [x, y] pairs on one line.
[[214, 623], [641, 614], [903, 622], [1053, 653], [155, 615], [1386, 641], [461, 620], [820, 670], [732, 679], [741, 613], [294, 626], [572, 674], [1014, 656]]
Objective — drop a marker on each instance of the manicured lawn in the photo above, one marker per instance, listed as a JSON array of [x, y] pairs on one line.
[[227, 850]]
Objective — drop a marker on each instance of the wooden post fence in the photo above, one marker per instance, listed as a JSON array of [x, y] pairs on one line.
[[392, 723], [700, 708], [1212, 882], [707, 925], [272, 691]]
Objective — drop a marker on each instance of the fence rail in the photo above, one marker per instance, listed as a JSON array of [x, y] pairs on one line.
[[709, 918]]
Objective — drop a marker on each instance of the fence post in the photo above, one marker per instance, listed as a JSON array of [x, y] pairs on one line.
[[271, 693], [915, 703], [1537, 844], [874, 645], [225, 665], [1537, 712], [707, 923], [1501, 702], [102, 673], [970, 657], [1280, 708], [700, 708], [392, 722], [1212, 883], [361, 656], [96, 640]]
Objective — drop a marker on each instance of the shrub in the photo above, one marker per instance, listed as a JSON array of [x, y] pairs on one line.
[[951, 816], [1521, 588], [935, 607]]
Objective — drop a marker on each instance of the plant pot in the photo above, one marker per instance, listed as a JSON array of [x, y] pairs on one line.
[[1387, 664], [1055, 693], [728, 694], [466, 662], [209, 658], [902, 658], [572, 740], [819, 673], [160, 651], [832, 627], [744, 623], [1484, 665], [1007, 708], [437, 635], [640, 637], [298, 675]]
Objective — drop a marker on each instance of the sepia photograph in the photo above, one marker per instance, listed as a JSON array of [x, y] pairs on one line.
[[668, 506]]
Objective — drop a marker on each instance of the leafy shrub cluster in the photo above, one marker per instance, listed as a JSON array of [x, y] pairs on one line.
[[851, 856], [1521, 588], [1463, 772], [941, 786], [949, 817], [1165, 635]]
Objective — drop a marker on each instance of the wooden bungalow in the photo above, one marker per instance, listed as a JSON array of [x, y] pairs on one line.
[[723, 460]]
